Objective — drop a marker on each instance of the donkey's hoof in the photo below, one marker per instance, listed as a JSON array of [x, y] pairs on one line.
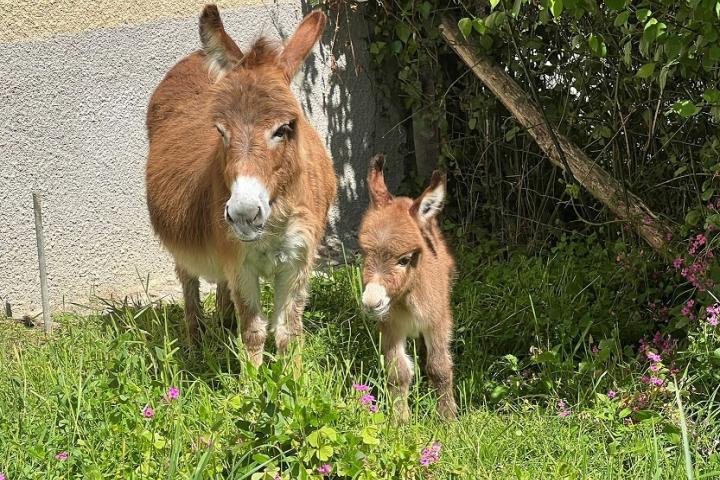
[[448, 410]]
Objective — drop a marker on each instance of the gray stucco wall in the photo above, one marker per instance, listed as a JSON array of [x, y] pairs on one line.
[[72, 111]]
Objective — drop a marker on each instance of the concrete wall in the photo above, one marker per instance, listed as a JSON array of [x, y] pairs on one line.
[[76, 78]]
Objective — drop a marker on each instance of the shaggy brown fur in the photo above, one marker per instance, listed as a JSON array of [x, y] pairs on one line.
[[407, 274], [219, 115]]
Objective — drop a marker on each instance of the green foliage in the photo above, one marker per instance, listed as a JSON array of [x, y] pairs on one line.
[[83, 392], [634, 85]]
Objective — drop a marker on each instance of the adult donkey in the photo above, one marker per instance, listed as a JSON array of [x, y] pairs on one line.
[[238, 182]]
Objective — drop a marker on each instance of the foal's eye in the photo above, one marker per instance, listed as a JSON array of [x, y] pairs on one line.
[[405, 261], [283, 131]]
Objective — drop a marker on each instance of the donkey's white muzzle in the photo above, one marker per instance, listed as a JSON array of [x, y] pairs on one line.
[[376, 300], [248, 208]]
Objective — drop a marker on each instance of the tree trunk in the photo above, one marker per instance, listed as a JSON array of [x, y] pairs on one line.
[[426, 132], [623, 203]]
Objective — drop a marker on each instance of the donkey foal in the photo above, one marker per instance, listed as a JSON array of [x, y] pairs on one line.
[[408, 274]]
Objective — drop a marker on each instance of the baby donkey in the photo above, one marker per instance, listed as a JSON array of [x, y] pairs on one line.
[[408, 274]]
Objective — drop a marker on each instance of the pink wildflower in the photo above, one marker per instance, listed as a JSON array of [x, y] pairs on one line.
[[359, 387], [62, 456], [373, 408], [172, 394], [647, 221], [612, 394], [277, 477], [653, 357], [594, 349], [2, 476], [655, 367], [148, 412], [367, 399], [325, 469], [713, 313], [430, 455], [564, 410], [658, 382]]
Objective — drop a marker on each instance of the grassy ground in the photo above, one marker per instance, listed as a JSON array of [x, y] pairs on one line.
[[76, 406]]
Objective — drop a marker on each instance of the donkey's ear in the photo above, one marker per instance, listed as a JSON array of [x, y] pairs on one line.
[[379, 194], [221, 53], [430, 203], [301, 42]]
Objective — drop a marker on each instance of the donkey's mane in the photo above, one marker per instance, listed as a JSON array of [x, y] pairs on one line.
[[262, 52]]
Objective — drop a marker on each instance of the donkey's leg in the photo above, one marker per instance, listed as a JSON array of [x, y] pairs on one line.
[[439, 368], [224, 310], [191, 296], [245, 292], [290, 298], [399, 368]]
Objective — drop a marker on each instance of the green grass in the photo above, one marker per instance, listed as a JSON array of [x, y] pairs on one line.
[[83, 391]]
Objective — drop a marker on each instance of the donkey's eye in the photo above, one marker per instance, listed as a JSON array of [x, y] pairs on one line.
[[283, 131], [405, 261]]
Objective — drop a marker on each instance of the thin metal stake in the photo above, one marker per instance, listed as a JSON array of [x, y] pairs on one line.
[[47, 321]]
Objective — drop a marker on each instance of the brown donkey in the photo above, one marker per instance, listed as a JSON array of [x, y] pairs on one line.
[[408, 274], [238, 182]]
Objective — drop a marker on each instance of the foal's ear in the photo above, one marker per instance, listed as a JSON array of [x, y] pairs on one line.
[[379, 194], [301, 42], [221, 53], [430, 203]]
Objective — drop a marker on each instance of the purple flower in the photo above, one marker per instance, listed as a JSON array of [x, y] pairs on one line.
[[430, 455], [62, 456], [172, 394], [594, 349], [367, 399], [373, 408], [658, 382], [655, 367], [612, 394], [713, 313], [2, 476], [277, 476], [653, 357], [564, 411], [360, 387], [325, 469], [148, 412]]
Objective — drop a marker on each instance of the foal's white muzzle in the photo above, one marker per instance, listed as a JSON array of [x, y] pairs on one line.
[[376, 300], [248, 208]]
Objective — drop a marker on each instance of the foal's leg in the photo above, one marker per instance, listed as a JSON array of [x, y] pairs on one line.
[[399, 368], [245, 292], [224, 309], [439, 369], [290, 298], [191, 296]]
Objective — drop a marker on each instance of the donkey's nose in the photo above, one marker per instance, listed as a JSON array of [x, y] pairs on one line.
[[244, 214]]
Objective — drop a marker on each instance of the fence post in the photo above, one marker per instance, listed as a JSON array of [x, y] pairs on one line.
[[47, 321]]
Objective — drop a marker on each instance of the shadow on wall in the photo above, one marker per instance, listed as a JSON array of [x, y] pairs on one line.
[[356, 129]]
